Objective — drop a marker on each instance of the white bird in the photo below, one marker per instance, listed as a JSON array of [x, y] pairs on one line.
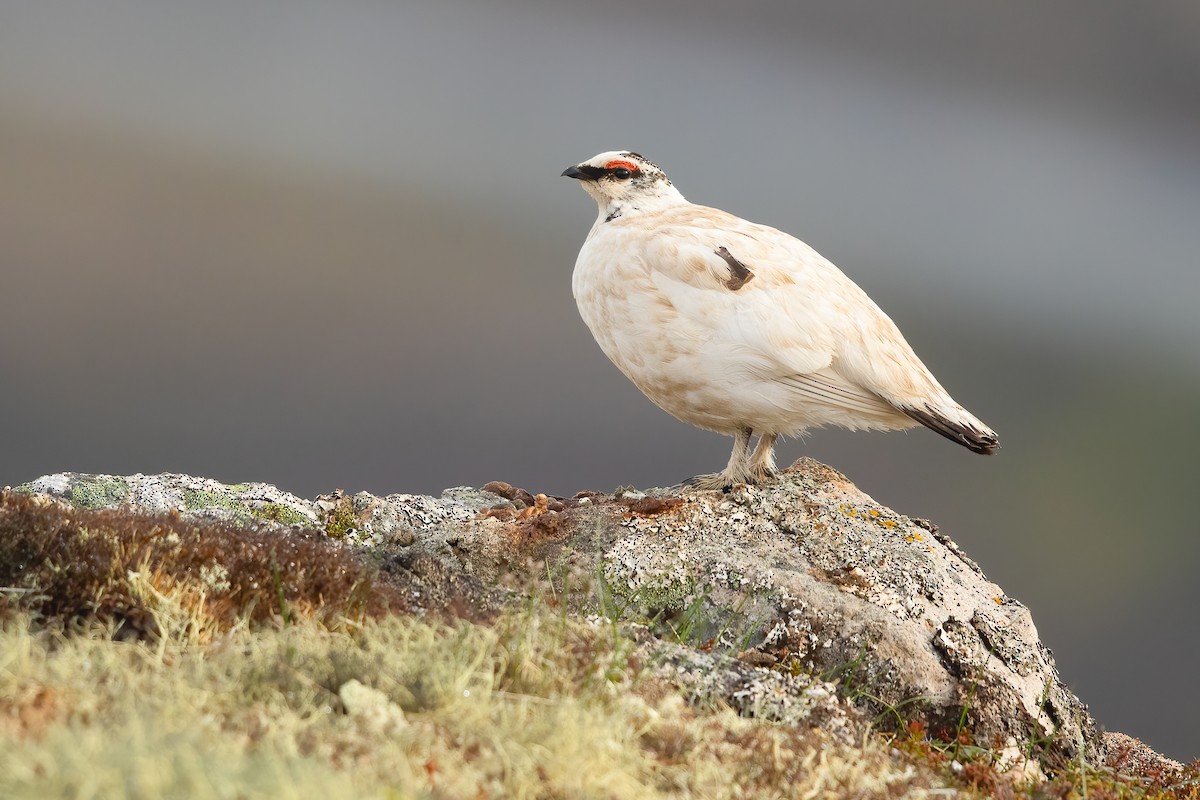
[[740, 328]]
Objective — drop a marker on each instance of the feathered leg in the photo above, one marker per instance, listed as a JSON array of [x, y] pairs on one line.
[[762, 463], [737, 471]]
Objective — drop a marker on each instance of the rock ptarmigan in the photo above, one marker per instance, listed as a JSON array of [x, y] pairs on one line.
[[740, 328]]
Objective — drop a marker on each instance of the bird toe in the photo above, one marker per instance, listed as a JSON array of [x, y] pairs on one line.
[[762, 474], [711, 481]]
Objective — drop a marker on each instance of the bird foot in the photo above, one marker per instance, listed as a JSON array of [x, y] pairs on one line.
[[710, 481], [725, 482], [762, 474]]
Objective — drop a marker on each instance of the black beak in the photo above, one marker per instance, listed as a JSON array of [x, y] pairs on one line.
[[583, 172]]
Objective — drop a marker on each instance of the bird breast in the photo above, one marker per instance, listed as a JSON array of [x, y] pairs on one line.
[[678, 321]]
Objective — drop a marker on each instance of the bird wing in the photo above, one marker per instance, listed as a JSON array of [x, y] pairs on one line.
[[790, 314]]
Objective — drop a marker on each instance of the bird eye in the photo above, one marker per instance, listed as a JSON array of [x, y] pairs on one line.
[[620, 173]]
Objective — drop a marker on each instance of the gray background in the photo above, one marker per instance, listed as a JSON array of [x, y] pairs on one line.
[[326, 245]]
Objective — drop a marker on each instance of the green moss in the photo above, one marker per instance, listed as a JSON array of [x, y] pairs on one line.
[[195, 499], [342, 519], [278, 512], [668, 597], [99, 492], [198, 498]]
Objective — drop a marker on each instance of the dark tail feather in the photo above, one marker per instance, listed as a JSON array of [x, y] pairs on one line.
[[970, 437]]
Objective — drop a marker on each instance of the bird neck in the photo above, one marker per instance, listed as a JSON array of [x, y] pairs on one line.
[[618, 208]]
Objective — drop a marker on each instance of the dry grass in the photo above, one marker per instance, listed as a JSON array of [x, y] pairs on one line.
[[532, 706]]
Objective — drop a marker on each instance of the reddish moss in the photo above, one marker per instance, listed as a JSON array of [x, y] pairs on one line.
[[649, 506], [67, 565], [551, 526]]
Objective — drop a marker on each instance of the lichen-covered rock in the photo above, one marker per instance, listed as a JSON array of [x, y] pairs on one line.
[[185, 494], [809, 569], [806, 579], [1131, 756], [785, 696]]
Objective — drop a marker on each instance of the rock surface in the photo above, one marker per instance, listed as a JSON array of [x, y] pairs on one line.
[[773, 593]]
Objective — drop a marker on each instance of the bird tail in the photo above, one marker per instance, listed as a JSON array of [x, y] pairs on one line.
[[958, 426]]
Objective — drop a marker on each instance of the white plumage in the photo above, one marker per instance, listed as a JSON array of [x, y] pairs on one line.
[[740, 328]]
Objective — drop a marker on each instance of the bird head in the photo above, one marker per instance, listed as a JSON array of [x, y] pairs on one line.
[[622, 180]]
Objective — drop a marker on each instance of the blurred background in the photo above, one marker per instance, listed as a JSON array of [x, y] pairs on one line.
[[327, 245]]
